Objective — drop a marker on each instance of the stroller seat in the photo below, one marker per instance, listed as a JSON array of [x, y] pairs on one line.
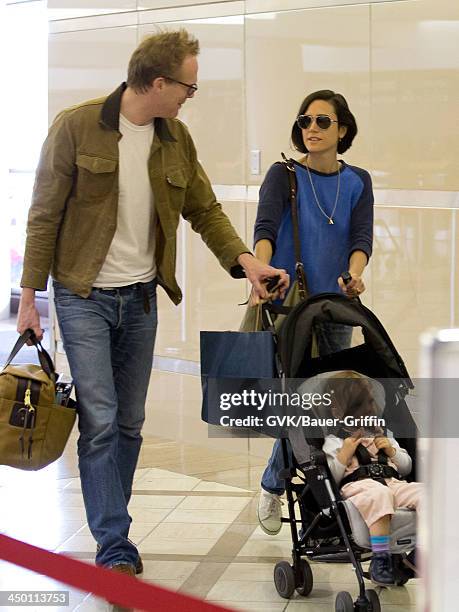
[[402, 528], [332, 528]]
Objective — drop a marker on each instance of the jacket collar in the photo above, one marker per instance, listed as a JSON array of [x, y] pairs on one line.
[[110, 115]]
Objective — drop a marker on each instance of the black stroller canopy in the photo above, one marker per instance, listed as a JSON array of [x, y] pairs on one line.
[[377, 357]]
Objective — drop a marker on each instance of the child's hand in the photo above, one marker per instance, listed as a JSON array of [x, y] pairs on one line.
[[347, 451], [382, 443]]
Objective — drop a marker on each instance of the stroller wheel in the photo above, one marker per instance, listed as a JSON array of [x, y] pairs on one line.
[[375, 604], [343, 602], [306, 578], [284, 579]]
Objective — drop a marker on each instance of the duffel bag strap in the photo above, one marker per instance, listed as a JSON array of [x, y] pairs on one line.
[[45, 360]]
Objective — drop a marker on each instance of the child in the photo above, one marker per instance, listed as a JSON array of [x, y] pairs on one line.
[[347, 450]]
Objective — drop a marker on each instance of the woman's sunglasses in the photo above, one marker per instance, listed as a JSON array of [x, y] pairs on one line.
[[323, 122]]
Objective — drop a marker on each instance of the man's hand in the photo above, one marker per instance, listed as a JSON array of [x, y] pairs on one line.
[[257, 272], [383, 443], [28, 316]]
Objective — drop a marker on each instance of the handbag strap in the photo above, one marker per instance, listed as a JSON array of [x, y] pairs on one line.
[[299, 268], [45, 360]]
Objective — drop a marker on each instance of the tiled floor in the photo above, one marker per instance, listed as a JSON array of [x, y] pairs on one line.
[[194, 522]]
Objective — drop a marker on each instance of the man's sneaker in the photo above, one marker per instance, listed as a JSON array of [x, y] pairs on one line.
[[138, 565], [381, 569], [269, 512]]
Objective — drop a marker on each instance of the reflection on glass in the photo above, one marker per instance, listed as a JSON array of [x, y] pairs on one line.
[[27, 78]]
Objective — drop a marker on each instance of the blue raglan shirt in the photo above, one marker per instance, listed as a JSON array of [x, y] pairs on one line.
[[325, 248]]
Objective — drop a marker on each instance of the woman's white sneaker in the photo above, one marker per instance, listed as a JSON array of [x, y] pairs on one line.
[[269, 512]]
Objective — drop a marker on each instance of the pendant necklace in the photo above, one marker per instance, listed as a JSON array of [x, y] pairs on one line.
[[330, 218]]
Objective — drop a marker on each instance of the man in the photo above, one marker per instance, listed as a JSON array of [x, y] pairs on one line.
[[115, 174]]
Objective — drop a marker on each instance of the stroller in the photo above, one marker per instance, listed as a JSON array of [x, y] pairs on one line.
[[324, 527]]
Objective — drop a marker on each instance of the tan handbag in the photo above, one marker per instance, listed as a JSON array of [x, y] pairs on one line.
[[33, 428]]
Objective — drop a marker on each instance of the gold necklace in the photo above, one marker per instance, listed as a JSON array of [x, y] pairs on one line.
[[330, 218]]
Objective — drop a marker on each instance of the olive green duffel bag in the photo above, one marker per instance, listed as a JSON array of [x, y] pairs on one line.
[[34, 429]]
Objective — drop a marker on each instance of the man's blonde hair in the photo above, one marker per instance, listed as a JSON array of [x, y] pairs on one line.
[[159, 55]]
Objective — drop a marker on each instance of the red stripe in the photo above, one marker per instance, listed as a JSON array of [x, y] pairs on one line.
[[117, 588]]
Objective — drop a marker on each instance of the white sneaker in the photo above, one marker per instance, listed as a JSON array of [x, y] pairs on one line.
[[269, 512]]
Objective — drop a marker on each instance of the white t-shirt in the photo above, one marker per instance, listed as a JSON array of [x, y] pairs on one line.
[[131, 256]]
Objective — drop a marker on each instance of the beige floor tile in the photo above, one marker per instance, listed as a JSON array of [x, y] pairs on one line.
[[187, 531], [49, 536], [186, 483], [334, 573], [215, 486], [45, 479], [148, 515], [74, 514], [269, 548], [14, 578], [93, 604], [167, 583], [396, 599], [244, 590], [249, 513], [79, 543], [197, 516], [405, 595], [136, 530], [152, 473], [154, 501], [152, 545], [323, 592], [401, 608], [191, 525], [247, 477], [251, 606], [140, 473], [74, 484], [168, 570], [284, 534], [258, 572], [70, 500], [308, 606], [199, 502], [312, 606]]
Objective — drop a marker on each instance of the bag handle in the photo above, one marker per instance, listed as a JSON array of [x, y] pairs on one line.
[[299, 268], [45, 360]]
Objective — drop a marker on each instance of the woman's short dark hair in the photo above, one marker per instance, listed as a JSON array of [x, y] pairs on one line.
[[345, 117]]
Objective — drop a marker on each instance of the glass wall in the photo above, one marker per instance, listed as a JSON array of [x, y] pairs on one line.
[[26, 40]]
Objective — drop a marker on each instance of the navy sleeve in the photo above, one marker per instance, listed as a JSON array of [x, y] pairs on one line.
[[362, 217], [273, 198]]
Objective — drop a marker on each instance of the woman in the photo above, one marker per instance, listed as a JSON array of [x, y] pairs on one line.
[[335, 214]]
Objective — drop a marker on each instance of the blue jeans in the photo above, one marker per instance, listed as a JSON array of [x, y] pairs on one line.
[[109, 340], [331, 338]]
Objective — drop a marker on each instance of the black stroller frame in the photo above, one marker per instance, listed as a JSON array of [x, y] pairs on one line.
[[317, 485]]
